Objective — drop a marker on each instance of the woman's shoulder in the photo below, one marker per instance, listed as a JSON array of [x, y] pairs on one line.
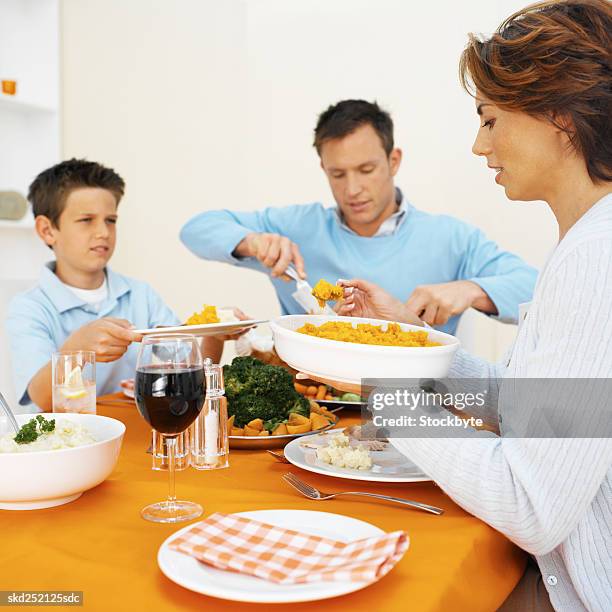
[[588, 243]]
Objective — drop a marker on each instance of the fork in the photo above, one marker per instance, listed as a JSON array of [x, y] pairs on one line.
[[312, 493], [280, 456]]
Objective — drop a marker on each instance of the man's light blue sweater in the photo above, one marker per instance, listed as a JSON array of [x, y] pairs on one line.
[[424, 249]]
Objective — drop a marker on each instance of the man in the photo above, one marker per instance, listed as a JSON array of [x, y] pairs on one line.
[[439, 265]]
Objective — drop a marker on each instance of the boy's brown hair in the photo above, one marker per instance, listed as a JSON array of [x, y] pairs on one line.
[[552, 60], [50, 189]]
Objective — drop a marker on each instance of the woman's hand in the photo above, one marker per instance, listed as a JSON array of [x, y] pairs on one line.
[[364, 299]]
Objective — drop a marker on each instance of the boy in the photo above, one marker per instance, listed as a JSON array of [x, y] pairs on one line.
[[80, 303]]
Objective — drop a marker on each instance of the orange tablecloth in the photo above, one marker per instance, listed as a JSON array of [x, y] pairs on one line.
[[99, 544]]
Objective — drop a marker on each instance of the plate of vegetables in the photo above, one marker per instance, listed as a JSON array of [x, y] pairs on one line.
[[325, 395], [265, 410]]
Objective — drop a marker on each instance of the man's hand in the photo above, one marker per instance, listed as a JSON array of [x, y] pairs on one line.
[[436, 304], [364, 299], [109, 338], [273, 251]]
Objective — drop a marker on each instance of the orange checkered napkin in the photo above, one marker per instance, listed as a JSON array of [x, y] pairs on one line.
[[239, 544]]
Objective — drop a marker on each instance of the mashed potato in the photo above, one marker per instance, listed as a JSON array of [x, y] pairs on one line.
[[340, 453], [66, 435]]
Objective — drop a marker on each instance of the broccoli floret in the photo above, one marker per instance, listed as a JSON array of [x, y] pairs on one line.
[[272, 424], [301, 406], [257, 390]]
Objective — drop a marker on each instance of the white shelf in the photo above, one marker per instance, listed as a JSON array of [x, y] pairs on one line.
[[16, 103]]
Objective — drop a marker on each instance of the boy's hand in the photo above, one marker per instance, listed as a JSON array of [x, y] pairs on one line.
[[273, 251], [212, 346], [238, 332], [108, 338]]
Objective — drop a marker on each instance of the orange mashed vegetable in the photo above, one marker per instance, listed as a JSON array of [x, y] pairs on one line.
[[208, 315], [365, 333], [325, 291]]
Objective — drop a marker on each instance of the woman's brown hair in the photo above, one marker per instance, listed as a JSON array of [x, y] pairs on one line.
[[553, 60]]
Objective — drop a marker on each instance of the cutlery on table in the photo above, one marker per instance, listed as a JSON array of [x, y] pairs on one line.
[[280, 456], [312, 493], [9, 414]]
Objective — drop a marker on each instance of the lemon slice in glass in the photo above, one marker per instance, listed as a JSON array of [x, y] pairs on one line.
[[74, 386]]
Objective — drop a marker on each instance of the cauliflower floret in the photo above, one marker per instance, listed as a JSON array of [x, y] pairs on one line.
[[339, 453]]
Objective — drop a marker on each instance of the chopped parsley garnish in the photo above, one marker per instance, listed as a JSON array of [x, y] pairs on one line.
[[34, 428]]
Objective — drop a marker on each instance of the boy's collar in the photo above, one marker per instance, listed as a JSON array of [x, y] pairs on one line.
[[64, 299]]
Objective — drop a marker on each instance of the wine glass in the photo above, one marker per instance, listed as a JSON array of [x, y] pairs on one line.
[[170, 391]]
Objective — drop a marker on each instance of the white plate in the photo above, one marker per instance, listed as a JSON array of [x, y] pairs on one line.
[[127, 387], [388, 465], [201, 578], [205, 329]]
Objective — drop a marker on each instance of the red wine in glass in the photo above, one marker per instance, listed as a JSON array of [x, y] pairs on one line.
[[169, 399], [170, 391]]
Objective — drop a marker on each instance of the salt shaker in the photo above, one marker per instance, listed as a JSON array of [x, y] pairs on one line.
[[209, 445]]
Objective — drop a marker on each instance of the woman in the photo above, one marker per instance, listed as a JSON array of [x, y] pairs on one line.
[[542, 88]]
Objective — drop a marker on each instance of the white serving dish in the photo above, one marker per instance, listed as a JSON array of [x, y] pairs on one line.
[[43, 479], [349, 362]]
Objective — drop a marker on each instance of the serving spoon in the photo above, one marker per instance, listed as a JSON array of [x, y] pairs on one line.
[[9, 414]]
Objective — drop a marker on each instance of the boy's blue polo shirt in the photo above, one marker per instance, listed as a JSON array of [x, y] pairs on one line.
[[40, 320]]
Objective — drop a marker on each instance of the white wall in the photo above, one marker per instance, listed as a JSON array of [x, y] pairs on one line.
[[29, 142], [202, 104]]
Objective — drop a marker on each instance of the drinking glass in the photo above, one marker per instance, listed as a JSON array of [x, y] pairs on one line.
[[73, 376], [169, 391]]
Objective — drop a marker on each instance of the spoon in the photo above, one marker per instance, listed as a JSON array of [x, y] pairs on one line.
[[9, 413]]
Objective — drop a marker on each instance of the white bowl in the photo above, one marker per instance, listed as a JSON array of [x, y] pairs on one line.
[[349, 362], [43, 479]]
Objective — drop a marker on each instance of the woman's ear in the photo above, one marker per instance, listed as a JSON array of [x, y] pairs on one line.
[[565, 131], [45, 230], [563, 122]]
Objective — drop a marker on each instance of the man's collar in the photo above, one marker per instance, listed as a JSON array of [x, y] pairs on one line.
[[63, 299], [390, 224]]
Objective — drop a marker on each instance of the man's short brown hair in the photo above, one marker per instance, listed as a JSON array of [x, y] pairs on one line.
[[343, 118], [50, 189]]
